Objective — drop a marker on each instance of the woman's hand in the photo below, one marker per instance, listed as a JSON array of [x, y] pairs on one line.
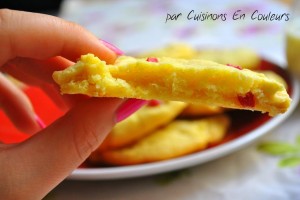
[[33, 46]]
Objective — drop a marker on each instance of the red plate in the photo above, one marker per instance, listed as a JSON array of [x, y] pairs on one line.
[[43, 106]]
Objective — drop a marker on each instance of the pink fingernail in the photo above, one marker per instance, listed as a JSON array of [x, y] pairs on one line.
[[128, 108], [112, 47], [39, 121]]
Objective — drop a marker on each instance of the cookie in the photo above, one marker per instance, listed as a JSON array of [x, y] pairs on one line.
[[141, 123], [272, 75], [179, 50], [194, 81], [181, 137], [198, 109], [138, 125], [243, 57]]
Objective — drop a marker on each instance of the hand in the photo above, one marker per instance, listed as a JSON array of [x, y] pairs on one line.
[[33, 46]]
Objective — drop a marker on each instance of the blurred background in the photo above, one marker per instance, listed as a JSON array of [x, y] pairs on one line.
[[136, 26], [47, 6]]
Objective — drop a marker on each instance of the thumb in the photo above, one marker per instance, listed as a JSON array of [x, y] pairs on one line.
[[49, 156]]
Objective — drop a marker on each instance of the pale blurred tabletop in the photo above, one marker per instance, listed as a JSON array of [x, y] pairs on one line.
[[244, 174]]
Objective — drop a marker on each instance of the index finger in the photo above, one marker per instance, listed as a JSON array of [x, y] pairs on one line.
[[40, 36]]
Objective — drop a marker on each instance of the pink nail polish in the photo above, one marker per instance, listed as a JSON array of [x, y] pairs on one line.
[[128, 108], [112, 47], [39, 121]]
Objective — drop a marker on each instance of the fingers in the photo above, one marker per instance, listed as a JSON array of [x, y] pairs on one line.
[[47, 37], [50, 156], [39, 73], [33, 52], [30, 51], [17, 106]]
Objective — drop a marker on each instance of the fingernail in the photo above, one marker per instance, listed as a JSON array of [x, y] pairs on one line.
[[39, 121], [112, 47], [128, 108]]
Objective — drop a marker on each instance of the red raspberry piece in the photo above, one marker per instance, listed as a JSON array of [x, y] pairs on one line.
[[237, 67], [247, 100], [152, 59], [153, 103]]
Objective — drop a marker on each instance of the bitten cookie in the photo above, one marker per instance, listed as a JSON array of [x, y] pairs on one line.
[[194, 81]]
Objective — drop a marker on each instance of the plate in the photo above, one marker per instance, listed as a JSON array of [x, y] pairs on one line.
[[242, 135], [247, 127]]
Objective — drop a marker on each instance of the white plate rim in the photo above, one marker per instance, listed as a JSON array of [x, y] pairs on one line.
[[198, 158]]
